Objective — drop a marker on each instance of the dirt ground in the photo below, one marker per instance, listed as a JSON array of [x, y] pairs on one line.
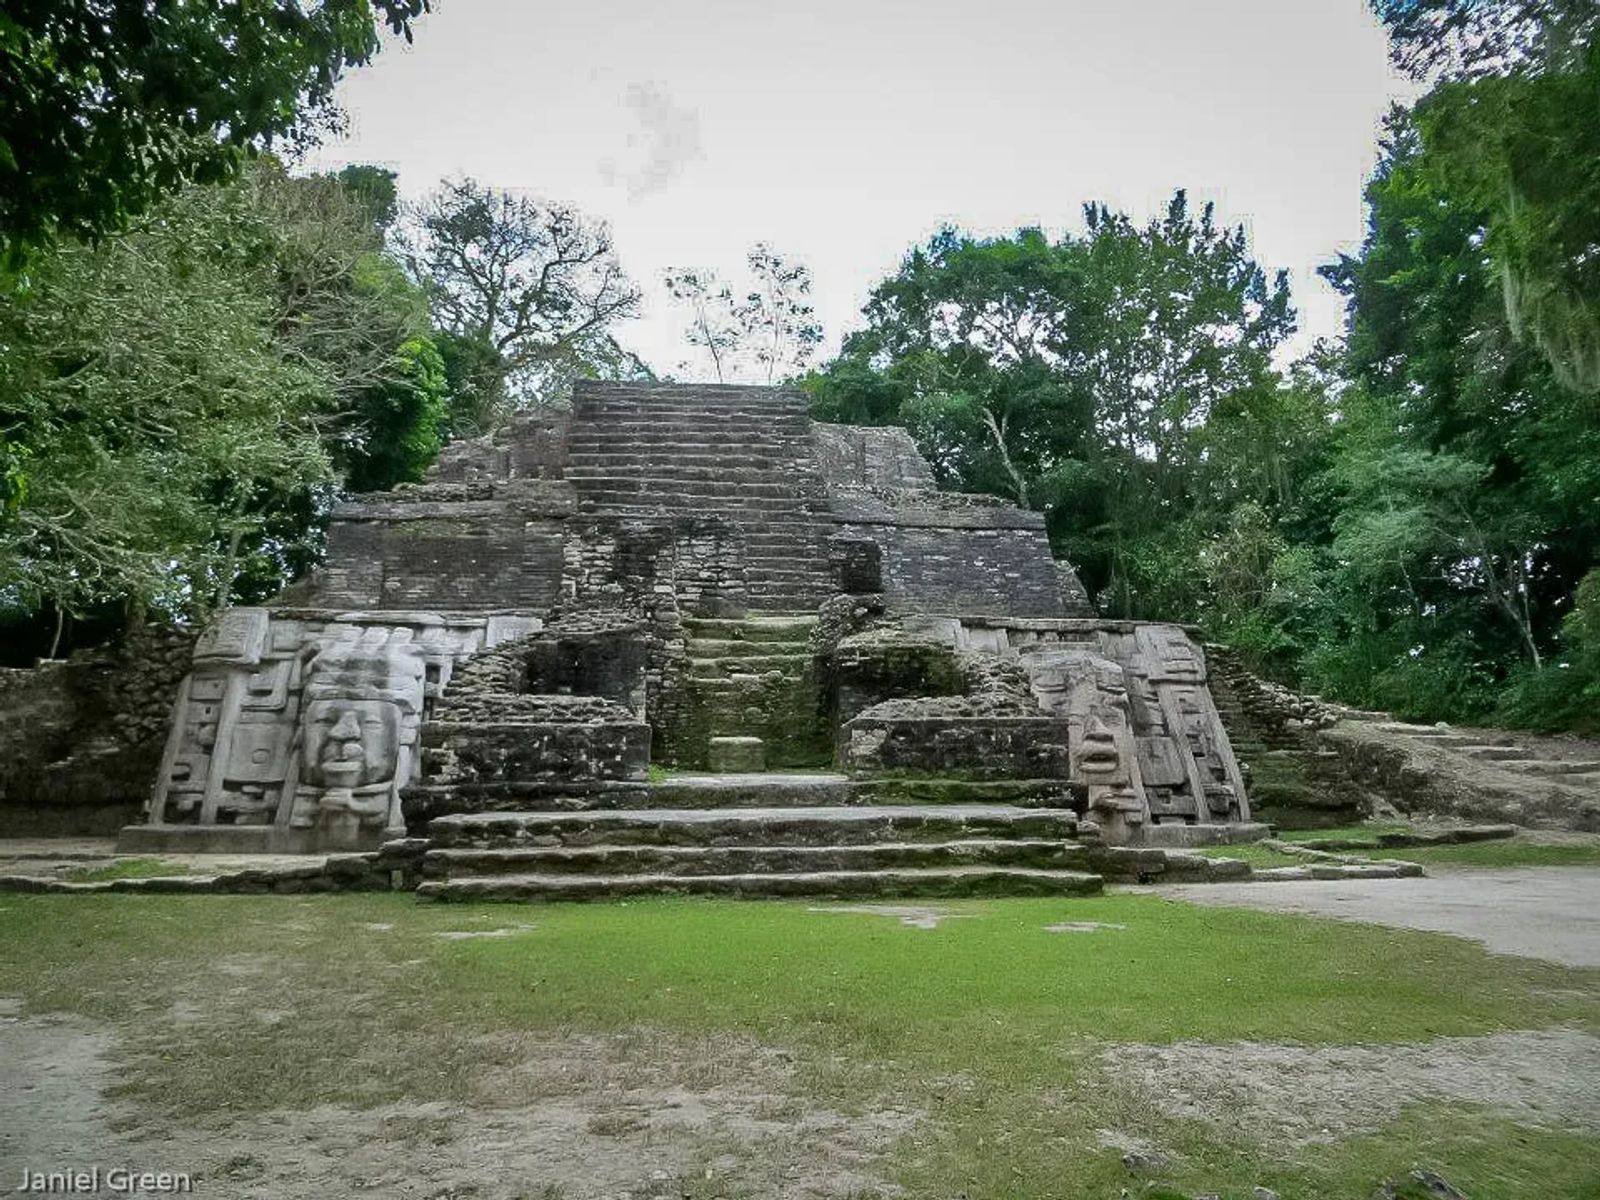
[[608, 1117], [1288, 1094], [1538, 912]]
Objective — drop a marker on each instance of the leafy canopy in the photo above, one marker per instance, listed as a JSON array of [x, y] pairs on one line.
[[111, 105]]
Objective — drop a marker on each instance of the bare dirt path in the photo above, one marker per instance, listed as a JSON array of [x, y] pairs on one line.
[[1550, 913]]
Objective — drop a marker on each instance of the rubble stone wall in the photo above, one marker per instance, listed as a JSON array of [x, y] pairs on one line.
[[80, 740]]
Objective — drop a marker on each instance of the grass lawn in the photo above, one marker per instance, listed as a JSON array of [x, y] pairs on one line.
[[1506, 852], [1343, 831], [127, 868], [1009, 1056], [1257, 856], [1523, 850]]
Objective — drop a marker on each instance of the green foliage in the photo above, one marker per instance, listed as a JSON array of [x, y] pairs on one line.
[[1462, 474], [768, 335], [403, 420], [1096, 377], [110, 106], [180, 402], [1566, 693], [528, 291]]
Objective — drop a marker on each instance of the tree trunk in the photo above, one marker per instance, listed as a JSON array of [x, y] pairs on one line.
[[997, 433]]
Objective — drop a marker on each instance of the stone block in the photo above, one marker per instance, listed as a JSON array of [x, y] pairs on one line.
[[737, 754]]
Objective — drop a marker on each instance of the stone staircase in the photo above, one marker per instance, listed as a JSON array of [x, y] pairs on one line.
[[1476, 774], [748, 679], [1293, 779], [751, 847], [744, 454]]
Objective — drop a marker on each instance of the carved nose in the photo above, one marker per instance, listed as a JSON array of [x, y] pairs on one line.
[[1100, 731], [346, 728]]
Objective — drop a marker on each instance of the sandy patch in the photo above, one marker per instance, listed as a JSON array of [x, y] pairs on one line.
[[914, 916], [1301, 1094], [580, 1117], [1082, 926], [462, 935]]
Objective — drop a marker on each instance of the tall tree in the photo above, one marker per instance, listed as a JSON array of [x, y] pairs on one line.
[[767, 334], [110, 105], [529, 291], [1465, 475], [1512, 128], [180, 403], [1076, 376]]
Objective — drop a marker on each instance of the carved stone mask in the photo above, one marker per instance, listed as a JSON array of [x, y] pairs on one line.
[[358, 693], [1099, 756], [350, 743]]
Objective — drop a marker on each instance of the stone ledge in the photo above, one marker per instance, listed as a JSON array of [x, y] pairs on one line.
[[238, 839]]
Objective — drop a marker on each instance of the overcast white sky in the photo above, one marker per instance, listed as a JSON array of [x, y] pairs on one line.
[[844, 131]]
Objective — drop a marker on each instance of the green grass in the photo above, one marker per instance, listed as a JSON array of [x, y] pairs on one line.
[[990, 1026], [1504, 852], [1257, 856], [127, 868], [1521, 850], [1343, 831]]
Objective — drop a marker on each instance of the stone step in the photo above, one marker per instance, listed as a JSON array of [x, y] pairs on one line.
[[902, 882], [717, 427], [655, 469], [772, 789], [748, 508], [1435, 734], [651, 486], [713, 431], [1499, 753], [593, 408], [634, 452], [749, 664], [762, 629], [1037, 853], [1557, 767], [939, 790], [830, 825], [803, 577], [715, 650], [752, 457], [785, 599]]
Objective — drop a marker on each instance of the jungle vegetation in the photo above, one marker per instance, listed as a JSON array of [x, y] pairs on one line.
[[202, 348]]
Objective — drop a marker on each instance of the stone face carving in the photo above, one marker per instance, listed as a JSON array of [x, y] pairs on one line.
[[1090, 694], [362, 701], [306, 721]]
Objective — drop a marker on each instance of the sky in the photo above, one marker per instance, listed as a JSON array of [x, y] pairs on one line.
[[843, 132]]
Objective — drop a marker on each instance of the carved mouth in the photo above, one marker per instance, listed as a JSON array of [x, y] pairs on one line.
[[1099, 761]]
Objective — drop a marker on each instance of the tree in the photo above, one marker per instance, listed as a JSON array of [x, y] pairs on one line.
[[1467, 39], [1463, 474], [110, 106], [529, 291], [769, 334], [1512, 128], [180, 404], [1079, 376]]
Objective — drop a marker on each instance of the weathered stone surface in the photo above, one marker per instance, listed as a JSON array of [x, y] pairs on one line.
[[744, 754], [693, 576], [751, 826], [309, 720], [933, 881]]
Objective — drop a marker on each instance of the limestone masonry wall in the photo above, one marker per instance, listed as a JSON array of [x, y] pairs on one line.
[[80, 740]]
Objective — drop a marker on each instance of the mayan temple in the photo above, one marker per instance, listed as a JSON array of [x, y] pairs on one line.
[[686, 638]]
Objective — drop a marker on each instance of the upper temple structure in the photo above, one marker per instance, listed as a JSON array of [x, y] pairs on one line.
[[684, 637]]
